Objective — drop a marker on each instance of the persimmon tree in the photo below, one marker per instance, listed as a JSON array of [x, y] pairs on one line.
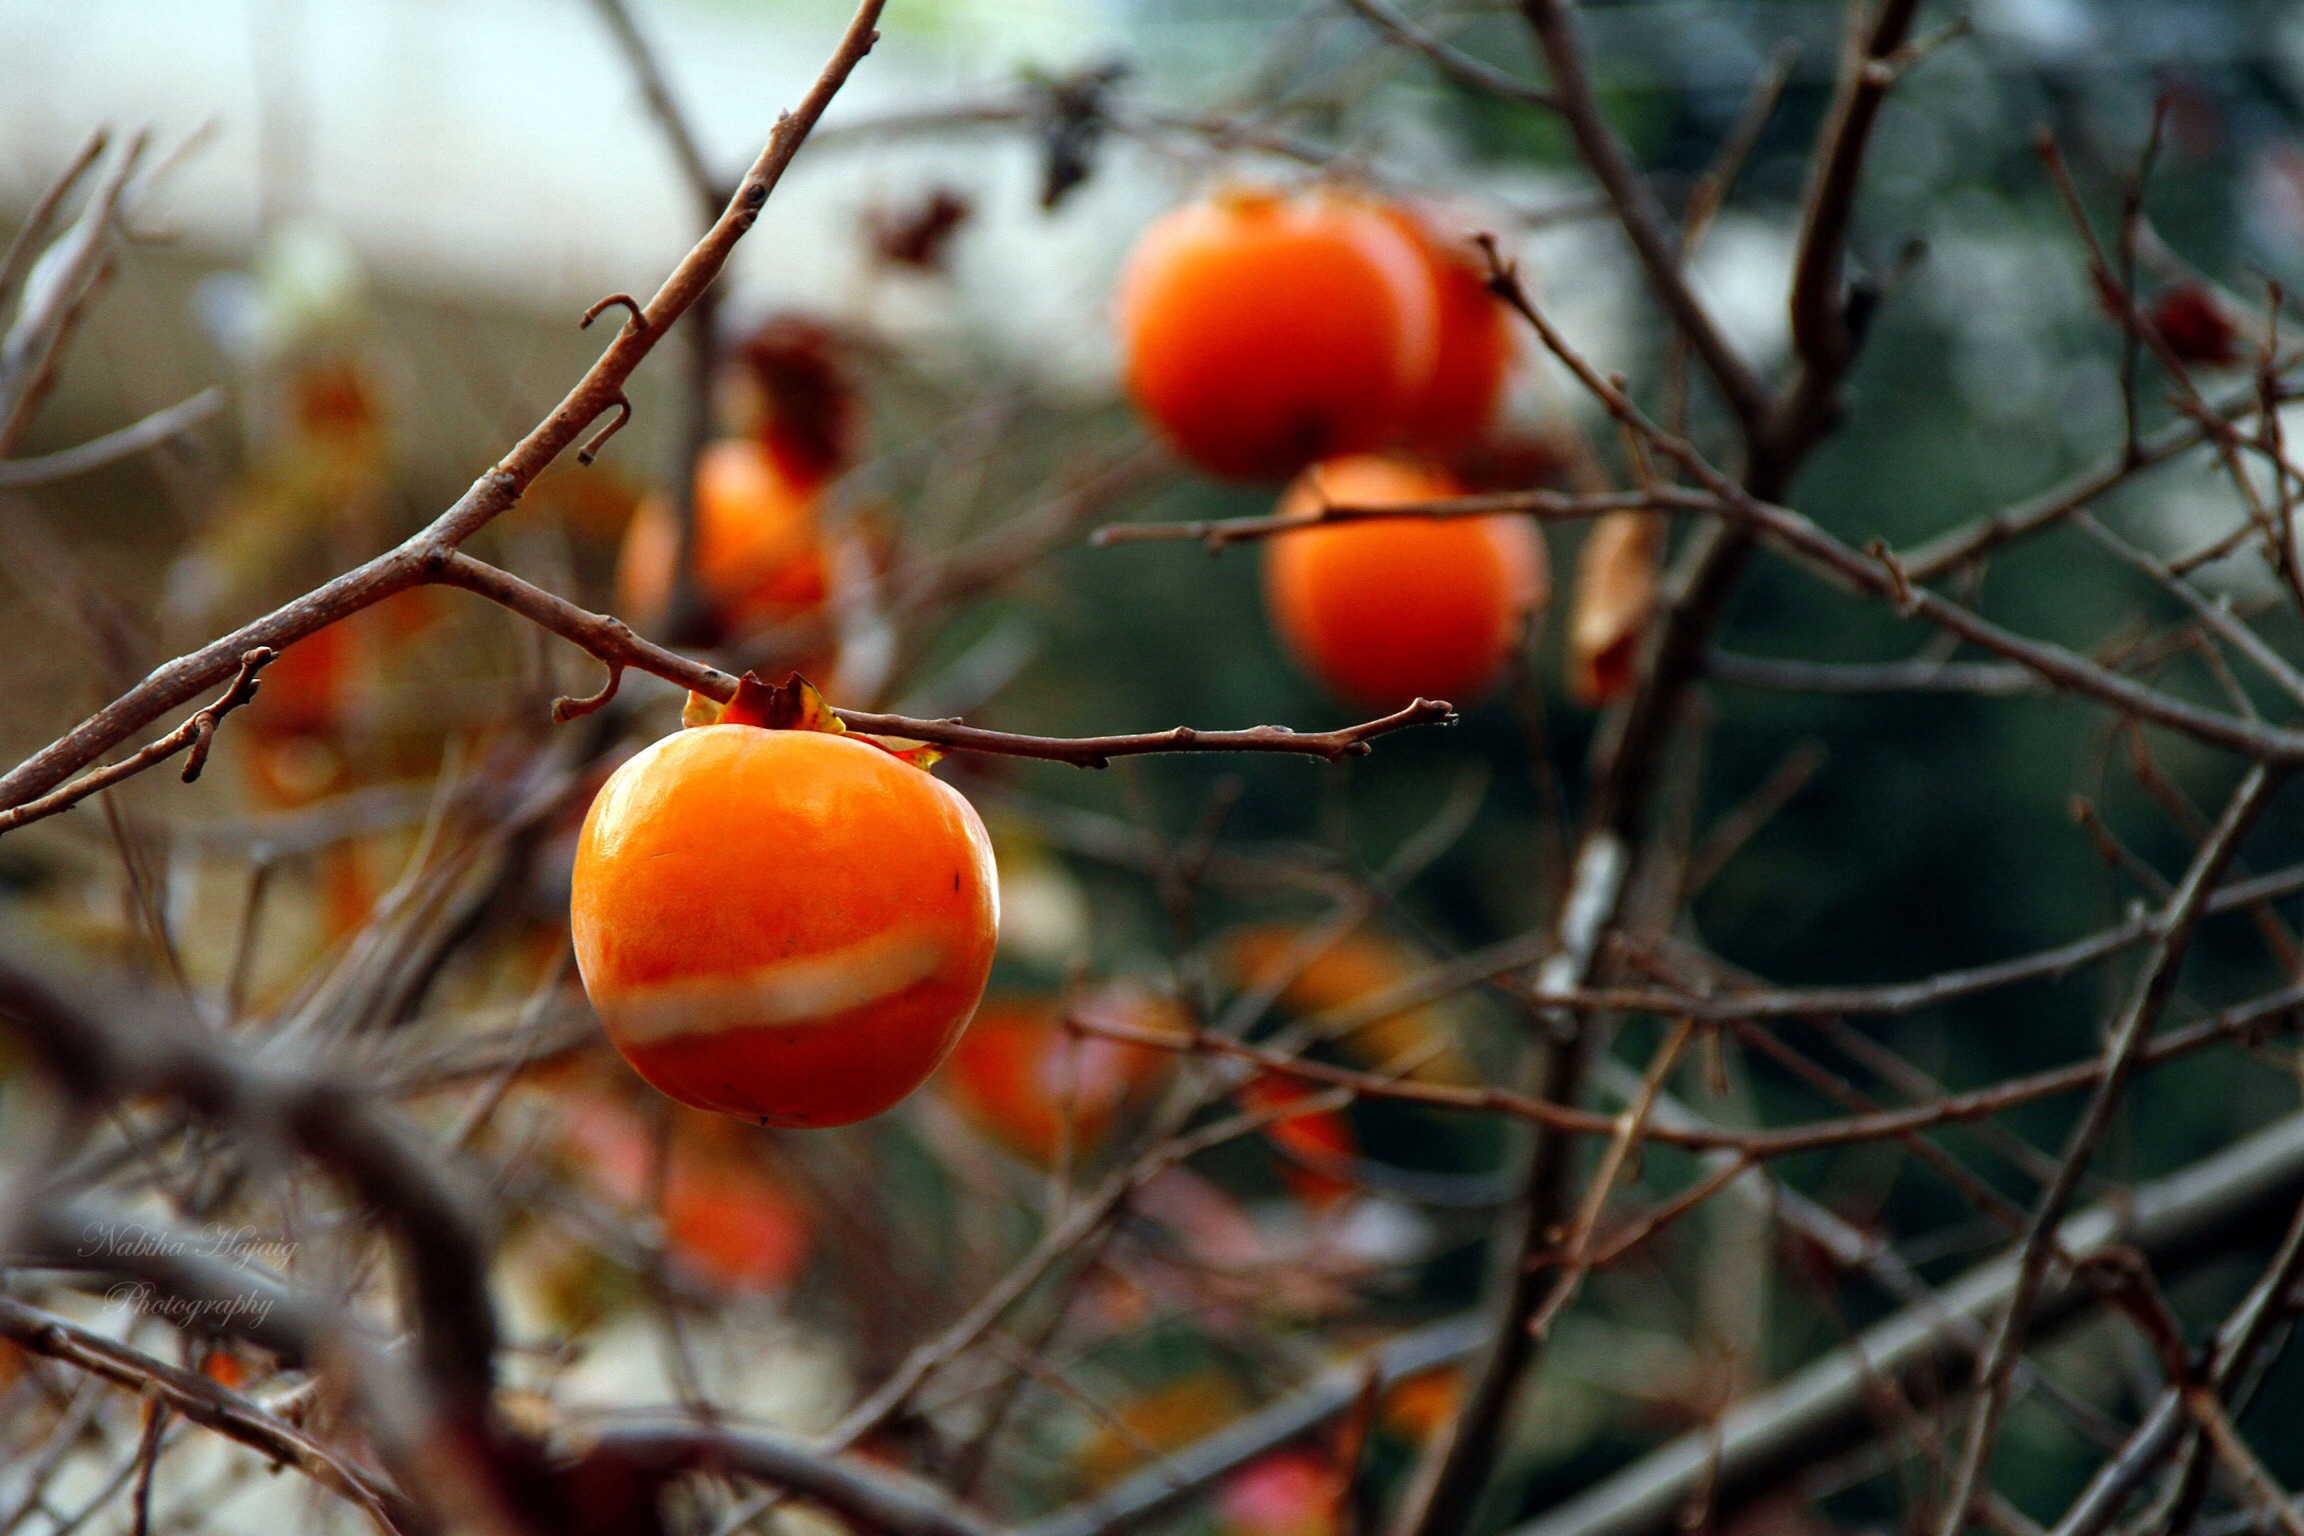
[[1287, 1181]]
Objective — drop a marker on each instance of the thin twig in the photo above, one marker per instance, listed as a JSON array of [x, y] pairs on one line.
[[420, 557], [112, 447], [614, 643], [1456, 64], [196, 733], [1641, 217], [203, 1401], [2185, 1218], [1545, 506], [2174, 927]]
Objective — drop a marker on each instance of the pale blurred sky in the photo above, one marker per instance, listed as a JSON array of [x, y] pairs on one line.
[[490, 144], [496, 152]]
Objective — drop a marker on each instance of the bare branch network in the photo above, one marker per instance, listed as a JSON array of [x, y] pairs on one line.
[[366, 1113]]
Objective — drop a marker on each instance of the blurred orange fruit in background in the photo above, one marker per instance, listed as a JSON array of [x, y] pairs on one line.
[[1265, 330], [759, 556], [1353, 969], [725, 1220], [1458, 401], [1309, 1141], [1383, 611], [1019, 1074]]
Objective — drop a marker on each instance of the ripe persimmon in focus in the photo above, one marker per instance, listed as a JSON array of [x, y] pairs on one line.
[[789, 926], [1263, 330], [759, 555], [1384, 611], [1021, 1076], [1458, 401]]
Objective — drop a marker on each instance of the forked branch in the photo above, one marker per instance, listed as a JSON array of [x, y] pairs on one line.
[[419, 558]]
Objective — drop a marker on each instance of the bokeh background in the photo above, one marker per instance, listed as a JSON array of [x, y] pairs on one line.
[[433, 192]]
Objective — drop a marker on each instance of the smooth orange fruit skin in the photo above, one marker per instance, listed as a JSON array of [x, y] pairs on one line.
[[787, 926], [759, 558], [1263, 331], [1385, 611], [1458, 402]]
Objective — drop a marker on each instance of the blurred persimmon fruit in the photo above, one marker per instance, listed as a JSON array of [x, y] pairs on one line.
[[1292, 1492], [725, 1220], [759, 556], [1457, 404], [1309, 1140], [1418, 1042], [789, 926], [1264, 330], [1382, 611], [1022, 1077]]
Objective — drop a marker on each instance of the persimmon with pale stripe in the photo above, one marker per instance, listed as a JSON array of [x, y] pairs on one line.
[[790, 926]]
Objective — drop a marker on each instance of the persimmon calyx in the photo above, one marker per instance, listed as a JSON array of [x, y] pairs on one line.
[[791, 705], [794, 705]]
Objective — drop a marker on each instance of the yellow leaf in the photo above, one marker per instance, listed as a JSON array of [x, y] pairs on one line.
[[1615, 589]]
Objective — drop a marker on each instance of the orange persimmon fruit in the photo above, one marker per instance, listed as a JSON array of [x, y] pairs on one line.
[[1308, 1141], [1264, 330], [1458, 402], [759, 554], [1019, 1075], [725, 1221], [788, 926], [1383, 611]]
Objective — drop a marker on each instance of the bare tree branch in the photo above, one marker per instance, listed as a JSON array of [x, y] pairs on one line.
[[1643, 220], [1457, 65], [1546, 506], [600, 391], [876, 1498], [1823, 1407], [2174, 927], [1821, 337], [155, 429], [204, 1402], [614, 643]]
